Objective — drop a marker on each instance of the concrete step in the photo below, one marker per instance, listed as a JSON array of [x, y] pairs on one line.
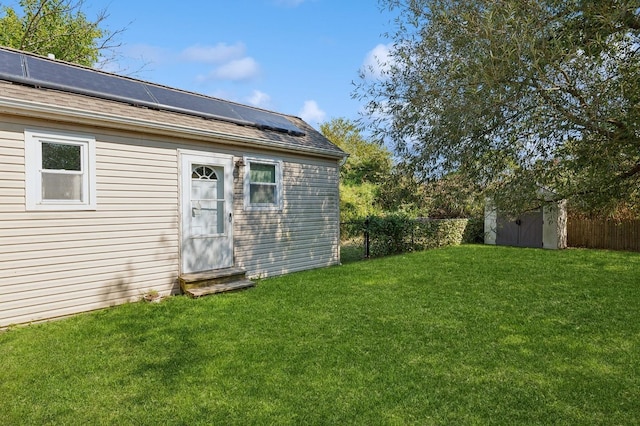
[[208, 278], [219, 288], [215, 281]]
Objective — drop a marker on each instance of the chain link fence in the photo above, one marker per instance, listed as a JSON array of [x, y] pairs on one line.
[[381, 236]]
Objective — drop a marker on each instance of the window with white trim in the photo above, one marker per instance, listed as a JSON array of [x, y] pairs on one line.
[[60, 171], [262, 184]]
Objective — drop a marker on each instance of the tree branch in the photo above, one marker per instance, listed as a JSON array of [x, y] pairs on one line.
[[31, 23]]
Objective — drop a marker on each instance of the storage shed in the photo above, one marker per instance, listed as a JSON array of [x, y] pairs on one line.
[[111, 187], [545, 227]]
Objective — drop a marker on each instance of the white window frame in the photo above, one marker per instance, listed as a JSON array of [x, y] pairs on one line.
[[33, 139], [277, 206]]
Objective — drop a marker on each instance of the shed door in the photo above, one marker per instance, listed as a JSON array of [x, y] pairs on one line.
[[525, 231], [531, 229], [207, 216]]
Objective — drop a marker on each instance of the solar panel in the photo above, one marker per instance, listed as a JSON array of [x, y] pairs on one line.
[[192, 103], [267, 121], [40, 72], [10, 64], [69, 78]]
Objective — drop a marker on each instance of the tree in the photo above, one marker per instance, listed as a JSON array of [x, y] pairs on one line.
[[450, 196], [58, 27], [367, 162], [402, 192], [525, 98], [366, 167]]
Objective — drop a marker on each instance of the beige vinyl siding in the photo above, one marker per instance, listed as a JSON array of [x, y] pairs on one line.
[[59, 263], [304, 235], [12, 191]]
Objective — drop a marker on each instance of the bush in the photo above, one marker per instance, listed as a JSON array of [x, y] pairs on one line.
[[352, 230], [431, 233], [390, 234], [397, 233], [474, 232]]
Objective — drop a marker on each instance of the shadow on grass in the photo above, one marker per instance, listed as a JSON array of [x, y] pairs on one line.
[[351, 251]]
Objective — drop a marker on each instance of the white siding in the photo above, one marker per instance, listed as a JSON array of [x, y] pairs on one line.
[[59, 263], [304, 235]]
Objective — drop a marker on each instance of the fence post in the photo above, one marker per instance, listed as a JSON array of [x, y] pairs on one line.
[[366, 238]]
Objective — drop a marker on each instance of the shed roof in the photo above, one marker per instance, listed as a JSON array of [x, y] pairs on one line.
[[60, 89]]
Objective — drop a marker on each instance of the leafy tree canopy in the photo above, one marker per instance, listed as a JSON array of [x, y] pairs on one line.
[[517, 96], [367, 162], [450, 196], [57, 27]]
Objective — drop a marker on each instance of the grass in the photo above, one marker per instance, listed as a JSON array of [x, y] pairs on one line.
[[460, 335], [352, 251]]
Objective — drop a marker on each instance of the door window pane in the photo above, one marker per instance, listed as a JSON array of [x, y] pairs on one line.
[[207, 217], [203, 172], [207, 200]]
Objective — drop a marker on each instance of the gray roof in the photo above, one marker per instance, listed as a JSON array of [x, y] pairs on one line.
[[129, 97]]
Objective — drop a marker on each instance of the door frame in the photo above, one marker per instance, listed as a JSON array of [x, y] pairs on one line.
[[184, 196]]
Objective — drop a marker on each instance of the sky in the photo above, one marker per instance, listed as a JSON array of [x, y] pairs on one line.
[[297, 57]]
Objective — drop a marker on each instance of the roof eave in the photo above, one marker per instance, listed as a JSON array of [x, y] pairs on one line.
[[48, 111]]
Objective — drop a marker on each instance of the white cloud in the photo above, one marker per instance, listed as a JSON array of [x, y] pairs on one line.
[[137, 60], [311, 113], [377, 61], [289, 3], [149, 52], [220, 53], [226, 61], [236, 70], [259, 99]]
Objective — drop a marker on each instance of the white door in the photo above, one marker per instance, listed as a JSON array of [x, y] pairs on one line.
[[207, 211]]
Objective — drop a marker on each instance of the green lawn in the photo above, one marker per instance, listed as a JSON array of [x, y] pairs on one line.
[[461, 335]]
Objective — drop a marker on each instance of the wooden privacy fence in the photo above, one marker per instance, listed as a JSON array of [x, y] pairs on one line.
[[604, 234]]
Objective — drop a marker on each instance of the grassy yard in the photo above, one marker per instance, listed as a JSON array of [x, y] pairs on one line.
[[461, 335]]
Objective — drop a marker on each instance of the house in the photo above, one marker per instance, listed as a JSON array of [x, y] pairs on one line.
[[111, 187]]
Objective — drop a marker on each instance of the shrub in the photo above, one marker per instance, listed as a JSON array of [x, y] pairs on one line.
[[474, 232], [397, 233], [431, 233], [390, 234]]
